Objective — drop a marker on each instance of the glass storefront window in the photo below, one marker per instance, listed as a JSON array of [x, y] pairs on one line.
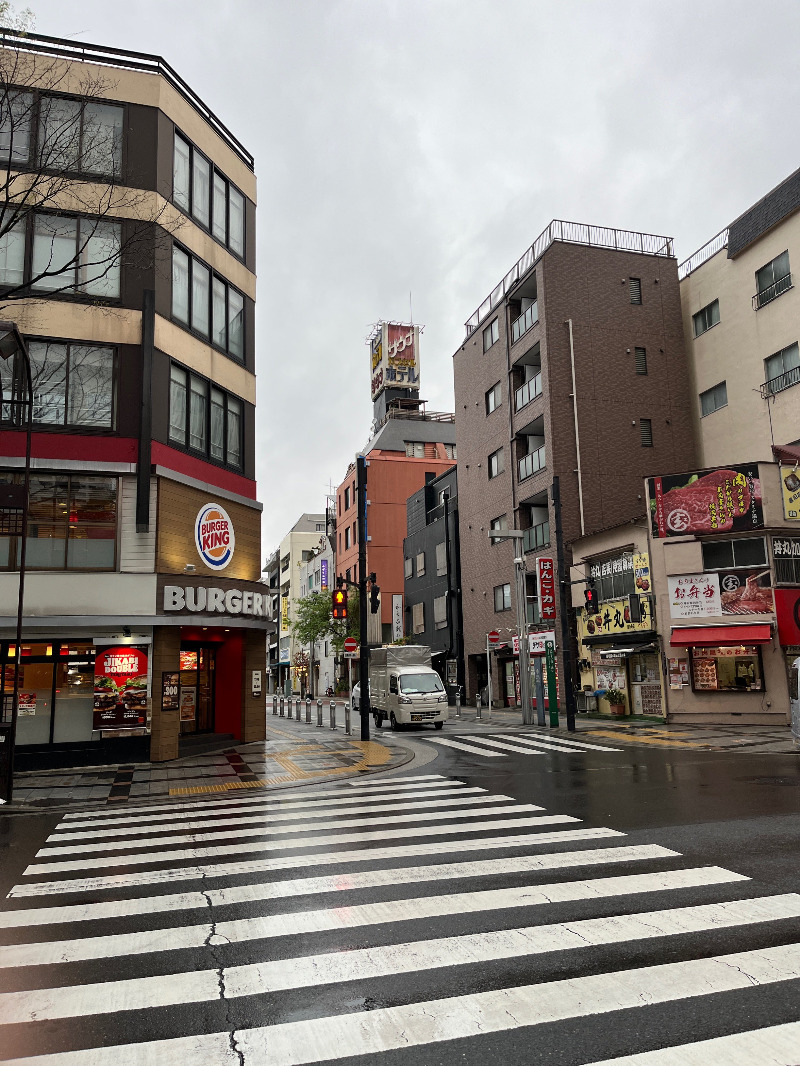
[[74, 702], [735, 668], [56, 691]]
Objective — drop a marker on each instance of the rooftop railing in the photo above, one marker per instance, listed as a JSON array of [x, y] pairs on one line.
[[621, 240], [702, 255]]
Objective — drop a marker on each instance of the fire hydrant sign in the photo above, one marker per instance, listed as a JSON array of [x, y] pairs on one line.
[[547, 588], [120, 688], [694, 596]]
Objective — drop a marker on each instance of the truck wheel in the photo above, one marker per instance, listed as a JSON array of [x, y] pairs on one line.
[[438, 725], [394, 723]]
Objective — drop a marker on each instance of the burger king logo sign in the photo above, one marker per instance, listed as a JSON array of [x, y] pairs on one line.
[[214, 536]]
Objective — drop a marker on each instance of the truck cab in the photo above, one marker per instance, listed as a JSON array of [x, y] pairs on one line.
[[405, 689]]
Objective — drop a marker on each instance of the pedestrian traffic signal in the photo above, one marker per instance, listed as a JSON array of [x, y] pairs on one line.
[[590, 594], [374, 599], [340, 603]]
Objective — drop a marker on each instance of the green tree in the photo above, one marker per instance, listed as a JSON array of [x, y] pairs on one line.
[[312, 619]]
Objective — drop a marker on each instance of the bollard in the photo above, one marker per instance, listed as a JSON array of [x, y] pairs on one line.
[[347, 719], [458, 703], [297, 709], [478, 708], [319, 714], [308, 710], [333, 715], [282, 708], [274, 704]]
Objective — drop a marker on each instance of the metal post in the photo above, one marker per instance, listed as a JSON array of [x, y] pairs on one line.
[[537, 673], [297, 709], [333, 715], [319, 714], [274, 704], [283, 706], [478, 708], [458, 701], [308, 711], [347, 718], [489, 675], [569, 692], [522, 631], [363, 702]]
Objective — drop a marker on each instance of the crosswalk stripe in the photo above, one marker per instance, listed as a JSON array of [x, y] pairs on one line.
[[142, 814], [466, 747], [183, 854], [270, 818], [433, 1021], [487, 742], [299, 830], [247, 930], [558, 743], [775, 1045], [233, 867], [310, 886], [413, 957]]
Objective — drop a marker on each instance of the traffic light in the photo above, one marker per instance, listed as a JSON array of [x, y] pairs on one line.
[[340, 603], [374, 599], [590, 595]]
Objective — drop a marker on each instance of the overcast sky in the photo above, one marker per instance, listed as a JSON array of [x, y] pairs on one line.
[[421, 145]]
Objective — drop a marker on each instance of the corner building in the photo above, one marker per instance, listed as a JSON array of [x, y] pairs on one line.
[[574, 366], [144, 617]]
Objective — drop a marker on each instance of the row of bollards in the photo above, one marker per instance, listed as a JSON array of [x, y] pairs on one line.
[[282, 706]]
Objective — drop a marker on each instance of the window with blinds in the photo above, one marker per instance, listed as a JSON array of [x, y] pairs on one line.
[[641, 360], [646, 428], [635, 290]]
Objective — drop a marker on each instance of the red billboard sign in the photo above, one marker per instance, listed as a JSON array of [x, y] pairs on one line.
[[726, 500], [787, 609], [547, 588], [120, 688]]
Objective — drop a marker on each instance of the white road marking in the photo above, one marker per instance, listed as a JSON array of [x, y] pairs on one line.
[[267, 819], [558, 742], [311, 971], [247, 930], [338, 883], [776, 1045], [466, 747], [233, 868], [299, 831], [501, 744], [191, 854]]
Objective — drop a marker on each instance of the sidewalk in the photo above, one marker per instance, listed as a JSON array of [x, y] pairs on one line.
[[293, 754]]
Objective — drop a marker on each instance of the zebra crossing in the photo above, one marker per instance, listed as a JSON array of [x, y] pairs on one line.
[[417, 915], [495, 745]]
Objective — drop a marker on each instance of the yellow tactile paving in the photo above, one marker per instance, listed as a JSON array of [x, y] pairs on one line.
[[635, 739]]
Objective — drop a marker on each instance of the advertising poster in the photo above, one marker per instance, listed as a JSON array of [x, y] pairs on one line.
[[727, 500], [790, 490], [641, 571], [120, 688], [188, 704], [170, 690], [694, 596], [26, 703], [746, 592], [188, 660]]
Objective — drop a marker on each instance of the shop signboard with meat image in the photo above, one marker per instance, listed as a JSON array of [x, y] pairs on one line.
[[746, 592], [120, 688], [727, 500]]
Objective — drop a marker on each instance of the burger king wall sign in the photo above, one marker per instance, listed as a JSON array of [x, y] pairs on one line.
[[214, 537]]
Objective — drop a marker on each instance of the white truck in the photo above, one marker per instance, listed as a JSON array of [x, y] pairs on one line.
[[404, 687]]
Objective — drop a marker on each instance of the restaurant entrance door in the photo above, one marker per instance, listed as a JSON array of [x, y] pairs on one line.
[[197, 688]]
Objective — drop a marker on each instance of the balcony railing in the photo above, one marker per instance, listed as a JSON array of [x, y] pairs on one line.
[[777, 288], [781, 382], [702, 255], [536, 537], [531, 463], [521, 325], [527, 392]]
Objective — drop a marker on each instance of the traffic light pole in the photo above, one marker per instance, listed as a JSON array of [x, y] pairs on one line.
[[569, 692], [363, 661]]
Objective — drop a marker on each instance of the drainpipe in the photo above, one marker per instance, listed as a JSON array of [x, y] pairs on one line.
[[575, 416]]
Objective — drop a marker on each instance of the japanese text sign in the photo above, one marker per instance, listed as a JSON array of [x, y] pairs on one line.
[[726, 500], [547, 588], [694, 596]]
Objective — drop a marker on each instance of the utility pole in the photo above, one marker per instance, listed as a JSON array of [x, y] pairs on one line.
[[569, 691], [363, 660], [524, 657]]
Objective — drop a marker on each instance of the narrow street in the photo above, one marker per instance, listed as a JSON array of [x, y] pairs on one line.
[[515, 898]]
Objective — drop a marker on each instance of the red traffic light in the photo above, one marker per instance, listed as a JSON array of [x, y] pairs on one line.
[[339, 602], [590, 595]]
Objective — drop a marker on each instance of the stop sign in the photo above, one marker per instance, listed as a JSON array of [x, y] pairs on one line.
[[351, 644], [494, 637]]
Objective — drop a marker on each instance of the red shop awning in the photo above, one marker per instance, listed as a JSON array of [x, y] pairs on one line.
[[710, 636]]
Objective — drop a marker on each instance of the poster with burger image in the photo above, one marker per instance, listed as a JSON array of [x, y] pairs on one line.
[[120, 688], [726, 500]]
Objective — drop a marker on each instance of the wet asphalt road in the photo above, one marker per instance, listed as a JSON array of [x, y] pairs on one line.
[[736, 811]]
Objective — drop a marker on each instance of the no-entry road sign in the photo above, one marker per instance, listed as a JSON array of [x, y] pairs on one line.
[[350, 648], [494, 637]]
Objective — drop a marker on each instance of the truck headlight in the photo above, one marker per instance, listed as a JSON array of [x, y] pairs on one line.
[[404, 699], [442, 699]]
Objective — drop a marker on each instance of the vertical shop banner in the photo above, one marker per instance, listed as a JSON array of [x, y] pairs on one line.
[[323, 575], [641, 571], [120, 688], [547, 588], [790, 490], [727, 500], [284, 614], [694, 596], [397, 617]]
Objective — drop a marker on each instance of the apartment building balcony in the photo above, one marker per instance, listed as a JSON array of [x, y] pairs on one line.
[[531, 463], [527, 320], [528, 392], [772, 292], [781, 382]]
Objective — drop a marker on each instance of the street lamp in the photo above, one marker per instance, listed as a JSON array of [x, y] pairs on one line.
[[14, 521], [518, 536]]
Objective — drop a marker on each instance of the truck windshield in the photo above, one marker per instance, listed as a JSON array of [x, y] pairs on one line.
[[410, 683]]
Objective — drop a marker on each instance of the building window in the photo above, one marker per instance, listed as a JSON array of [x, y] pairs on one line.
[[727, 669], [418, 617], [440, 612], [79, 136], [646, 430], [355, 533], [347, 498], [502, 597], [408, 567], [72, 523], [613, 578], [16, 120], [73, 384], [420, 564], [712, 399], [204, 193], [450, 451], [204, 418], [200, 299], [498, 523], [734, 554], [782, 369], [635, 287], [441, 559], [640, 355], [12, 254], [491, 334], [705, 318], [494, 397], [76, 255], [415, 449], [496, 463], [347, 538], [772, 280]]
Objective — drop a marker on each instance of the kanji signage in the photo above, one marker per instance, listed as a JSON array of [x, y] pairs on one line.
[[785, 548], [694, 596], [120, 688], [547, 588], [394, 357], [614, 616], [727, 500], [790, 490]]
